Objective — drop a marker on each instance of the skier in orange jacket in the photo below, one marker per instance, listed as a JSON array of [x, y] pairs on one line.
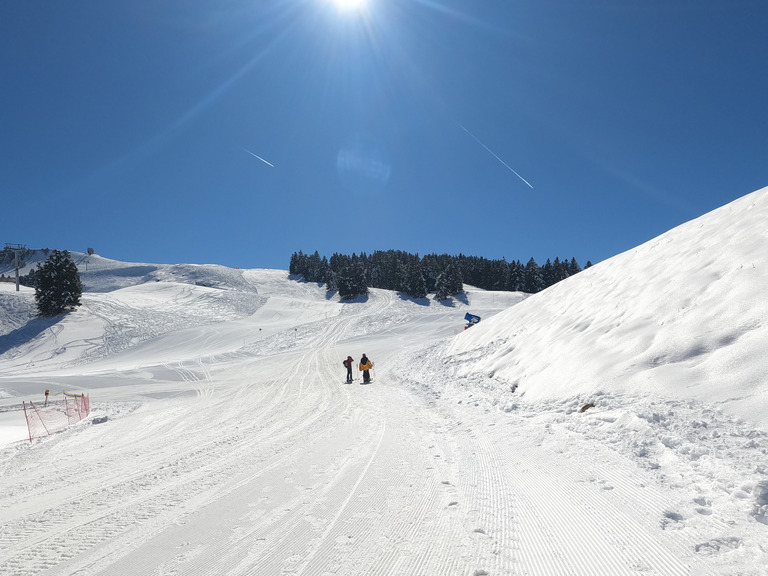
[[365, 367]]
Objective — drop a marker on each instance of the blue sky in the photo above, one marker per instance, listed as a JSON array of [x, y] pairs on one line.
[[238, 132]]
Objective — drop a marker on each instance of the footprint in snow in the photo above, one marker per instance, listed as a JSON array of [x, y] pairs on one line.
[[670, 519], [718, 545]]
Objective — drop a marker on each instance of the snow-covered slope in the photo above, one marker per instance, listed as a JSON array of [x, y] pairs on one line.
[[684, 315], [100, 274], [614, 424]]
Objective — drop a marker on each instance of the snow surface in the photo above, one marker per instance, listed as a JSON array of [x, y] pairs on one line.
[[233, 445]]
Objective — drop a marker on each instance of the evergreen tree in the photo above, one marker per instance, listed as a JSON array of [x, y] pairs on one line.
[[534, 279], [315, 272], [299, 264], [352, 281], [430, 268], [339, 262], [377, 269], [449, 283], [295, 265], [416, 286], [516, 276], [561, 270], [332, 281], [498, 275], [548, 273], [58, 286]]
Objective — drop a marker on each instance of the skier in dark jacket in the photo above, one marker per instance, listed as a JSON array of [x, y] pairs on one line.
[[348, 365]]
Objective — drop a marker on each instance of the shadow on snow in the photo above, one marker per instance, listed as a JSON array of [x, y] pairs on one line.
[[27, 333]]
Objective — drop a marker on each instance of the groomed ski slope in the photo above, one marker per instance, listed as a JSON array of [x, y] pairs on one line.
[[234, 447]]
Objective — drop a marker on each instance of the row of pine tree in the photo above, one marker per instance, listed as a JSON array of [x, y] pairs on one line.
[[443, 275]]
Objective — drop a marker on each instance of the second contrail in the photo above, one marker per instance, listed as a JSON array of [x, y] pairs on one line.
[[495, 156], [259, 157]]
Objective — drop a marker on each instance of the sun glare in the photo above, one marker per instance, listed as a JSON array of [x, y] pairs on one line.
[[349, 5]]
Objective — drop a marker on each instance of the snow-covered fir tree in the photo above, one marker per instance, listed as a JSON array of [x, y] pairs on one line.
[[449, 283], [57, 287], [416, 287], [352, 281], [534, 278]]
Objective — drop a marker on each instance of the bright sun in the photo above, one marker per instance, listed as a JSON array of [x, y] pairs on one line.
[[349, 5]]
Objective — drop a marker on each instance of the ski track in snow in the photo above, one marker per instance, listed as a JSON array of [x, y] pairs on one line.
[[292, 473], [632, 486]]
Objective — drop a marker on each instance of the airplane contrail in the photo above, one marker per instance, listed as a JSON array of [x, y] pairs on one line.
[[259, 157], [495, 156]]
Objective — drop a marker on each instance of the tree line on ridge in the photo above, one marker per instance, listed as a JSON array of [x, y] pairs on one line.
[[441, 274]]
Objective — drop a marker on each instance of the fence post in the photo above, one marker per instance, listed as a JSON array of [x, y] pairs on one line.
[[26, 417]]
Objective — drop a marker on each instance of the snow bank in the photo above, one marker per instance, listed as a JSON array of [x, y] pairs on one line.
[[683, 315]]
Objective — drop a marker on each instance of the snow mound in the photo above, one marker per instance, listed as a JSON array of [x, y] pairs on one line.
[[683, 315]]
